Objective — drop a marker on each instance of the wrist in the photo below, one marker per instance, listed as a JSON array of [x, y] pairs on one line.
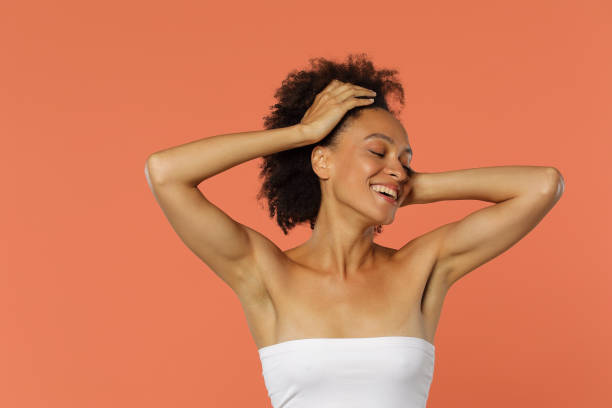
[[301, 136]]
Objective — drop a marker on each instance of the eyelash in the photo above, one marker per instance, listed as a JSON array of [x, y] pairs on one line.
[[408, 169]]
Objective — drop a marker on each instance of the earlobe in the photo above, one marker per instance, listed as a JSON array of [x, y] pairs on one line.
[[320, 168]]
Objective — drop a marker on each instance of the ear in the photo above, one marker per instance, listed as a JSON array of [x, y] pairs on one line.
[[319, 158]]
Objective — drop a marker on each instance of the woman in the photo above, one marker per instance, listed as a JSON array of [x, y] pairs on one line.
[[340, 320]]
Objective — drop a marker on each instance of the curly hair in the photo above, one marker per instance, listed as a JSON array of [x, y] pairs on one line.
[[290, 185]]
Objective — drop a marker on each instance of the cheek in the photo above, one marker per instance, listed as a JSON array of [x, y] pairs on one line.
[[370, 168], [358, 171]]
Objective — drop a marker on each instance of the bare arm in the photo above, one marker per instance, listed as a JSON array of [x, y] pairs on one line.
[[193, 162], [226, 246], [523, 195], [236, 253], [493, 184]]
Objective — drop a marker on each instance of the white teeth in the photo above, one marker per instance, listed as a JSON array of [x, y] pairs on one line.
[[378, 187]]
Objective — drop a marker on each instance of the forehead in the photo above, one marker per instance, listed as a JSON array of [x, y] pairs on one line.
[[380, 124]]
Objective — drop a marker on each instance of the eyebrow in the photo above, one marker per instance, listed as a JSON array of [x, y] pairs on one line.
[[387, 138]]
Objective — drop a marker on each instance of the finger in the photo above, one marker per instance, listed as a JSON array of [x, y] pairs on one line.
[[352, 102], [333, 84], [361, 87], [343, 87], [359, 91], [356, 89]]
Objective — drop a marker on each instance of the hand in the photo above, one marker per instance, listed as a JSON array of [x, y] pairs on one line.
[[414, 189], [329, 107]]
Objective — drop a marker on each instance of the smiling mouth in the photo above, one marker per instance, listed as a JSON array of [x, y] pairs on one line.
[[384, 196]]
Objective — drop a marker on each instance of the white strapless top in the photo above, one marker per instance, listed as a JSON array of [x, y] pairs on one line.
[[357, 372]]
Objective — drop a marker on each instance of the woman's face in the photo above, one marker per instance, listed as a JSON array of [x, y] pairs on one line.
[[372, 150]]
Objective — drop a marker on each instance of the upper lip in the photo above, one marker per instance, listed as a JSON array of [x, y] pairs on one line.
[[392, 186]]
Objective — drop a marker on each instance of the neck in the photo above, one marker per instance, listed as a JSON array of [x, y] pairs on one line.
[[341, 246]]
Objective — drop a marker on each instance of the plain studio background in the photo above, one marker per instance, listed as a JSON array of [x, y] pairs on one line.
[[104, 306]]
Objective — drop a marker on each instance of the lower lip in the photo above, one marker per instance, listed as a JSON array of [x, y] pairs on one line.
[[389, 199]]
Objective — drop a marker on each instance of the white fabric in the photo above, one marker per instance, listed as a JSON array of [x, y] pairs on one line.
[[358, 372]]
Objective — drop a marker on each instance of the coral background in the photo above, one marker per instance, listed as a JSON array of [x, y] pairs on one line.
[[102, 305]]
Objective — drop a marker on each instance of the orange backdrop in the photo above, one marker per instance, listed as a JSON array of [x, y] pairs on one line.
[[104, 306]]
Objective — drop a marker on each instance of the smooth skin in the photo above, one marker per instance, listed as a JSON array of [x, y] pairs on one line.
[[339, 283]]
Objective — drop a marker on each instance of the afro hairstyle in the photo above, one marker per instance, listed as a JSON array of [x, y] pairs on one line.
[[290, 185]]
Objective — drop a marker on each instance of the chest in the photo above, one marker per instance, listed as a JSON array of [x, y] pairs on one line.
[[400, 298]]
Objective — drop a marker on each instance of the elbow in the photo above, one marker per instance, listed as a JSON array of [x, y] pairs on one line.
[[152, 170], [554, 185]]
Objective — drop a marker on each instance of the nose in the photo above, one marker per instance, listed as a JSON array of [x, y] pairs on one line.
[[397, 172]]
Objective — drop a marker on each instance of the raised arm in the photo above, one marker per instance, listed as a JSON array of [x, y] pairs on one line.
[[226, 246], [523, 195], [236, 253]]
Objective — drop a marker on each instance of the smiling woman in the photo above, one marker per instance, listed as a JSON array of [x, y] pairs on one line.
[[318, 167], [291, 188], [340, 320]]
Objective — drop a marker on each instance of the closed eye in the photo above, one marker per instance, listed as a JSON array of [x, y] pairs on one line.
[[408, 169]]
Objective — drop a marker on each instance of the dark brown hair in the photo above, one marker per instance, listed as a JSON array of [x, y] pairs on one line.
[[290, 185]]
